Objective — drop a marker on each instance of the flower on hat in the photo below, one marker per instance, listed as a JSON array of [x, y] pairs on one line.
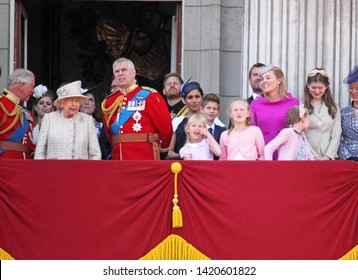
[[182, 93], [39, 91]]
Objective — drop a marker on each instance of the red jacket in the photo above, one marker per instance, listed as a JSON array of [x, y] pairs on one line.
[[16, 125], [153, 118]]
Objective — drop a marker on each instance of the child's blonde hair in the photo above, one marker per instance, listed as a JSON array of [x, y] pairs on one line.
[[194, 118], [248, 120], [295, 114]]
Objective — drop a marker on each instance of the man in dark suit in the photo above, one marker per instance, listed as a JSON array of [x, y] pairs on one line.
[[171, 89], [254, 80], [210, 108]]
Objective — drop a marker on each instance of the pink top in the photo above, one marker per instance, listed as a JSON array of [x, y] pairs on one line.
[[270, 117], [242, 145], [197, 151], [287, 142]]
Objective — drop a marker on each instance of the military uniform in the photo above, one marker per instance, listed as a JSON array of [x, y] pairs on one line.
[[16, 126], [178, 109], [137, 123]]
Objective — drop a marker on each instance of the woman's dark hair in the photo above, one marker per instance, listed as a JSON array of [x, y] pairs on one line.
[[97, 111]]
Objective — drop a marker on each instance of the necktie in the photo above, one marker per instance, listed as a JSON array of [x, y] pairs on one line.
[[210, 130]]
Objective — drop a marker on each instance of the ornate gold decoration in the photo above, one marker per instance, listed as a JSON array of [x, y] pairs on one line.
[[174, 247], [177, 218], [111, 110]]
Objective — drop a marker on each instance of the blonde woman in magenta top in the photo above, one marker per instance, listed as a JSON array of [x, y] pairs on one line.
[[242, 141], [291, 142], [200, 144]]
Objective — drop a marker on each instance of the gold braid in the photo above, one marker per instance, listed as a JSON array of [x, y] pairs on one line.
[[110, 111], [17, 112]]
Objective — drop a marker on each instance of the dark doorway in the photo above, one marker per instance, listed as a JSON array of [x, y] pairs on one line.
[[79, 40]]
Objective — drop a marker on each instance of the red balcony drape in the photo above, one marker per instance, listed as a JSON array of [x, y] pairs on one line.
[[231, 210]]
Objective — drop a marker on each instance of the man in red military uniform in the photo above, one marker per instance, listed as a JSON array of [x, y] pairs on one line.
[[16, 122], [135, 119]]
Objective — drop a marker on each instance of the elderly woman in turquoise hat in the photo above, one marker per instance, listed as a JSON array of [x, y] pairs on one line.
[[68, 133], [348, 147]]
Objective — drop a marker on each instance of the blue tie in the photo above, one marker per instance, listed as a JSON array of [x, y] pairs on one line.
[[210, 130]]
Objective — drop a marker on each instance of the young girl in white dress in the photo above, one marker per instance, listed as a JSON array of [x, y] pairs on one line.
[[200, 144], [291, 142], [242, 141]]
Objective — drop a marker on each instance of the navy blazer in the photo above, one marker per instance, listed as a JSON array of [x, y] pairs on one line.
[[217, 133]]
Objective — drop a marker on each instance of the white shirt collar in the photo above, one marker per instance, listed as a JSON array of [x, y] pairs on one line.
[[255, 95]]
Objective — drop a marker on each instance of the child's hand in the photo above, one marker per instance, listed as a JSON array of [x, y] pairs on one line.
[[205, 132]]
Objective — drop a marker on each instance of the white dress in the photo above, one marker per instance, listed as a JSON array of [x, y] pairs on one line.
[[67, 138]]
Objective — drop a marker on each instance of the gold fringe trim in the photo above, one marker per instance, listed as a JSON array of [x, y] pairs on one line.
[[183, 112], [351, 255], [111, 110], [5, 256], [174, 247], [17, 112], [177, 218]]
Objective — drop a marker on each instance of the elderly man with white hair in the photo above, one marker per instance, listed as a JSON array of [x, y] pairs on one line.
[[16, 122]]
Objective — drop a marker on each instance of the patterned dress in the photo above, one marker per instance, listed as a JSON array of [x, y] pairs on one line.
[[348, 147]]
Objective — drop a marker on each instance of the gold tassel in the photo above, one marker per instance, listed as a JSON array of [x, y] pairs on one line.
[[177, 217]]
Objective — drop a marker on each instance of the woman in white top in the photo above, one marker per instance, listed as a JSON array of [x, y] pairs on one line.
[[68, 133]]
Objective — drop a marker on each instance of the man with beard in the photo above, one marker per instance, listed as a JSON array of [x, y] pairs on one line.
[[171, 90], [254, 80]]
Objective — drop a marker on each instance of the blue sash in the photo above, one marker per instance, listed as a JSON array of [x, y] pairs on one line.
[[19, 132], [128, 111]]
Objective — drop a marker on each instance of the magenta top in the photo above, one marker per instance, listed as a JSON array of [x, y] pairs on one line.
[[270, 117]]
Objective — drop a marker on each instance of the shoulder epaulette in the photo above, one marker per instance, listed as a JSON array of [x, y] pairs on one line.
[[15, 111], [110, 95], [10, 96], [12, 111], [150, 89]]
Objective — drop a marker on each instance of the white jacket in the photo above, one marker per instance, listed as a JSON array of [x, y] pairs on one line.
[[67, 138]]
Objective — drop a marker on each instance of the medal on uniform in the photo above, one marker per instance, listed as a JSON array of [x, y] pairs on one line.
[[137, 116]]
